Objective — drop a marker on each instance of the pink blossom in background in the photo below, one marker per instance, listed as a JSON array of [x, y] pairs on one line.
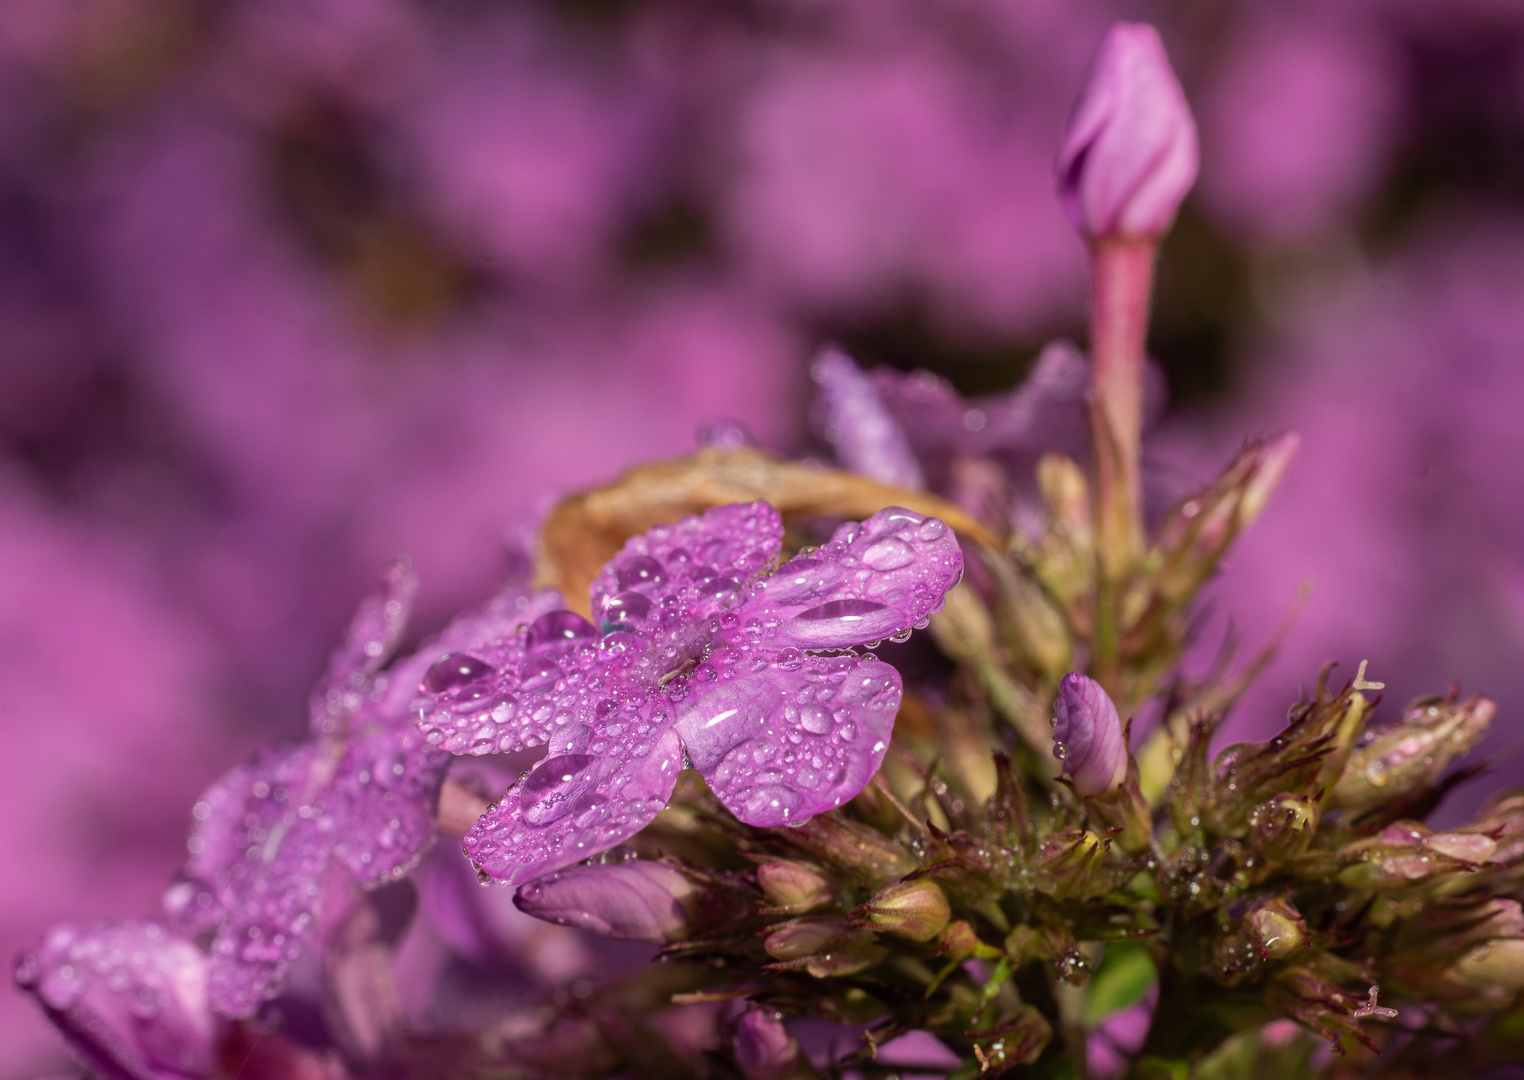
[[1297, 121]]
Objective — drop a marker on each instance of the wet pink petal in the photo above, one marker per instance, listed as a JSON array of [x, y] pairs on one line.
[[386, 792], [572, 806], [131, 999], [258, 855], [797, 738], [872, 580], [696, 567]]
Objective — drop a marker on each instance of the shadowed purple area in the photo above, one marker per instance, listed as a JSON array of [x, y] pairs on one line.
[[131, 999], [697, 654]]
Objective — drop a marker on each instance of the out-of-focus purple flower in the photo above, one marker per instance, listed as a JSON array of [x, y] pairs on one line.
[[1129, 153], [763, 1047], [697, 656], [854, 420], [361, 790], [131, 999], [1087, 735], [1046, 412], [638, 901]]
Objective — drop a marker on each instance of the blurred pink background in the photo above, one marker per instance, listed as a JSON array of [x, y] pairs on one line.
[[291, 286]]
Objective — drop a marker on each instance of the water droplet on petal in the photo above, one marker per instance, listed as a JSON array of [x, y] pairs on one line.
[[558, 628], [814, 719], [538, 673], [888, 554], [625, 610], [555, 787], [932, 529], [640, 570], [454, 670]]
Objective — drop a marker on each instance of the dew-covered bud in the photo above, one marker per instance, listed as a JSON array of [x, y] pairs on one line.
[[1129, 153], [763, 1047], [1282, 828], [1275, 928], [1407, 851], [910, 909], [792, 888], [636, 901], [1087, 735], [130, 998], [1414, 753]]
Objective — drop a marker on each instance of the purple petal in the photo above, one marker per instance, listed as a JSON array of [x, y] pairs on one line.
[[798, 738], [871, 581], [384, 795], [1046, 411], [259, 853], [688, 570], [574, 805], [371, 639], [131, 999], [540, 688], [854, 420], [488, 685]]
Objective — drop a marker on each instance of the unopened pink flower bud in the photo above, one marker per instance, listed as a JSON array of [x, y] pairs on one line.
[[636, 901], [1087, 735], [793, 888], [916, 909], [763, 1047], [1129, 153]]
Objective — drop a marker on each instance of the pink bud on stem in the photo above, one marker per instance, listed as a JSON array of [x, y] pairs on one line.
[[1128, 157]]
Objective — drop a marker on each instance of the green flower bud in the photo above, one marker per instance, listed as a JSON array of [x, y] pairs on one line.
[[1414, 753], [911, 909], [792, 888], [1071, 864], [1275, 928], [959, 942], [1283, 828]]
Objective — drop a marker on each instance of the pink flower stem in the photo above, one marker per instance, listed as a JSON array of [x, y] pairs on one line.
[[1122, 270]]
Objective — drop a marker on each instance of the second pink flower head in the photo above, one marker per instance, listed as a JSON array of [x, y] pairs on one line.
[[1129, 152]]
